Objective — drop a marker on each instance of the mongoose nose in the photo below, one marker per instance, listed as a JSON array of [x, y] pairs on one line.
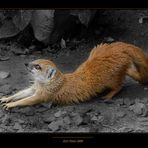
[[26, 64]]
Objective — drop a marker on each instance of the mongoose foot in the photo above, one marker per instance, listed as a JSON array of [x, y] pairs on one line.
[[5, 100], [7, 106]]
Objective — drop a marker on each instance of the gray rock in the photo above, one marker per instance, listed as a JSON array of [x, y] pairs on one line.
[[4, 75], [19, 51], [41, 109], [22, 56], [119, 101], [144, 100], [145, 88], [143, 19], [126, 129], [36, 52], [9, 130], [63, 43], [145, 110], [58, 114], [47, 105], [32, 57], [32, 47], [3, 120], [137, 100], [6, 120], [100, 118], [79, 130], [142, 122], [139, 130], [97, 118], [86, 110], [142, 119], [28, 111], [120, 114], [137, 108], [74, 114], [107, 101], [67, 120], [4, 58], [6, 89], [55, 125], [85, 129], [41, 131], [1, 95], [77, 119], [64, 112], [20, 121], [49, 50], [109, 39], [48, 119], [17, 126], [1, 115], [128, 101], [94, 118], [1, 130], [140, 20], [20, 130]]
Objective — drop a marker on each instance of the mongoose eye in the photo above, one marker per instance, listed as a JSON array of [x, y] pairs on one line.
[[38, 67]]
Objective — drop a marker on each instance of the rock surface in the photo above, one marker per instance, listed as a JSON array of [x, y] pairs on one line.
[[137, 108], [4, 75]]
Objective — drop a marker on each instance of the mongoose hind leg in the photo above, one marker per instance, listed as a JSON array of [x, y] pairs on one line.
[[113, 92], [133, 74], [115, 85], [140, 75]]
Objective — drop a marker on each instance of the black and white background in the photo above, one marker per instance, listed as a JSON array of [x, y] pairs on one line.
[[67, 36]]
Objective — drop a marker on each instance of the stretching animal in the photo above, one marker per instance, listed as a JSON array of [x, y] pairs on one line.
[[106, 67]]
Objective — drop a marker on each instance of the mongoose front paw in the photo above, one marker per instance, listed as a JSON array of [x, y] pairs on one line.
[[5, 100], [7, 106]]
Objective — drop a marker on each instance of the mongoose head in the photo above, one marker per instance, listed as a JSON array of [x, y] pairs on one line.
[[43, 71]]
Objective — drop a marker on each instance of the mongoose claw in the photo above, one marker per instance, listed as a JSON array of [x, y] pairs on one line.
[[4, 100], [5, 106]]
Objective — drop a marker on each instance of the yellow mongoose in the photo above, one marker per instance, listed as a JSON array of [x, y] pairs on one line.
[[106, 67]]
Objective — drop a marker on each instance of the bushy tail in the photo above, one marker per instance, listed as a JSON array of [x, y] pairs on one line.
[[136, 55], [140, 60]]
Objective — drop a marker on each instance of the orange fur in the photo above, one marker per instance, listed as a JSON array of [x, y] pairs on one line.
[[106, 67]]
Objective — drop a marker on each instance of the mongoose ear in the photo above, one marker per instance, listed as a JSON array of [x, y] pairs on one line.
[[50, 73]]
